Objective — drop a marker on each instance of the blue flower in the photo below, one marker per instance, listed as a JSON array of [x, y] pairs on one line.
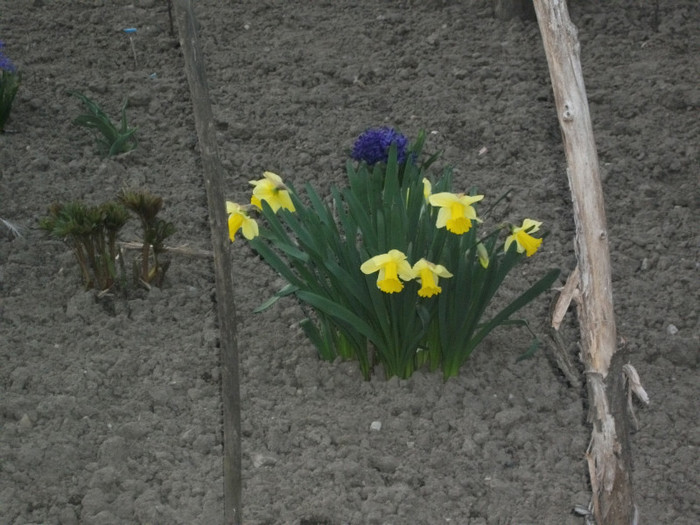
[[5, 63], [373, 145]]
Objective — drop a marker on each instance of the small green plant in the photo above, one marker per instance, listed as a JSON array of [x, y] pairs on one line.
[[395, 268], [10, 80], [91, 231], [155, 230], [111, 140]]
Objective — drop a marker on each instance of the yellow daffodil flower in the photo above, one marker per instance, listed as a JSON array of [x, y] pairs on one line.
[[427, 189], [272, 190], [390, 266], [524, 241], [456, 211], [483, 255], [429, 275], [237, 219]]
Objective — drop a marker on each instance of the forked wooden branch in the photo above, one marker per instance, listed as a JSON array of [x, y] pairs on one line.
[[570, 292], [608, 455]]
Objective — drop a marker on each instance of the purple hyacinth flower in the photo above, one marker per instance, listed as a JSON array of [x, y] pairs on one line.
[[5, 63], [373, 145]]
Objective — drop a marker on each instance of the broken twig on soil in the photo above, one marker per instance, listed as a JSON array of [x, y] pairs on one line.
[[179, 250]]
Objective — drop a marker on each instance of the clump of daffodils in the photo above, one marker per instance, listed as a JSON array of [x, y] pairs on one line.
[[395, 267]]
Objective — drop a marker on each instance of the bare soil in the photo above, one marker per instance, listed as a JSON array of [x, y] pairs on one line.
[[110, 406]]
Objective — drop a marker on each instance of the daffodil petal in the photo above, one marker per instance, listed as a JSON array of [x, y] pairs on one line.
[[375, 263], [443, 199], [442, 218], [250, 228], [440, 270], [274, 178], [509, 240], [405, 271], [286, 200], [531, 226], [421, 264], [234, 223], [468, 200]]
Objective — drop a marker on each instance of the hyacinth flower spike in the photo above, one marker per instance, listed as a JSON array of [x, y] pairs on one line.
[[429, 274], [373, 145], [272, 190], [5, 62], [391, 266], [522, 238], [238, 219], [456, 211]]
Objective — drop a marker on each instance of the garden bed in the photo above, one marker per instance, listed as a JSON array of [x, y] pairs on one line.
[[110, 405]]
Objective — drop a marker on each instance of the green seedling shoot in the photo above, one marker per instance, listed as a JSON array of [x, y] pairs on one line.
[[91, 231], [155, 230], [111, 140]]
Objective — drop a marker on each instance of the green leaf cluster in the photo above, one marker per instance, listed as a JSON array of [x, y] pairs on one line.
[[92, 233], [111, 140], [319, 248], [155, 230]]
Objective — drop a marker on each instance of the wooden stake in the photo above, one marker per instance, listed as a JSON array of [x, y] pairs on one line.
[[218, 221], [608, 455]]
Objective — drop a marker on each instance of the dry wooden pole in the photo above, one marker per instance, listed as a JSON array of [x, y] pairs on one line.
[[213, 179], [609, 457]]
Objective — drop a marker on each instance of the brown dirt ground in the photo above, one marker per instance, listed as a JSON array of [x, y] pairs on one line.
[[110, 407]]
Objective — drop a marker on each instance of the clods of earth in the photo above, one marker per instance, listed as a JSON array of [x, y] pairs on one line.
[[110, 405]]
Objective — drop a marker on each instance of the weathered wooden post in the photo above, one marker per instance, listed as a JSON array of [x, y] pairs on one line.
[[609, 458], [218, 221]]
